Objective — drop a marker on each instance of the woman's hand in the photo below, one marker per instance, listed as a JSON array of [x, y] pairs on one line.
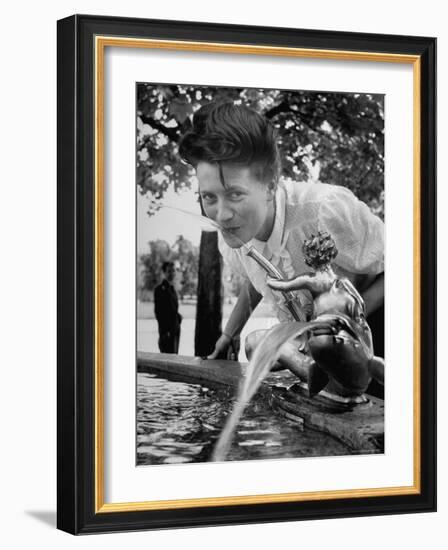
[[226, 347]]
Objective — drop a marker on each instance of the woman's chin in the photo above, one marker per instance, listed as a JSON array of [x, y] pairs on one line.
[[232, 240]]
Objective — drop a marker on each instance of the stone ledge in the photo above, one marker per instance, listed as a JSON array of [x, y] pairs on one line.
[[360, 428], [193, 370]]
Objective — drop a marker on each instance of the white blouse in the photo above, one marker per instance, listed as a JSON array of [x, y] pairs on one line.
[[303, 209]]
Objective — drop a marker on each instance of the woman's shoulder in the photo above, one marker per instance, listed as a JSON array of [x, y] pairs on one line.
[[304, 200], [303, 192]]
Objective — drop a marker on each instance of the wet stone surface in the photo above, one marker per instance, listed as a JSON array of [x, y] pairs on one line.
[[179, 423]]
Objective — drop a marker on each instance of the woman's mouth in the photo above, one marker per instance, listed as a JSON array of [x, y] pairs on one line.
[[231, 230]]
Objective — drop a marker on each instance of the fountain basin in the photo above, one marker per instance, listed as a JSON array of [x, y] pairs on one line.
[[360, 428]]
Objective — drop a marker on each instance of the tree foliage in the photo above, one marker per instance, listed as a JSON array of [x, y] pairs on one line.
[[187, 258], [331, 137]]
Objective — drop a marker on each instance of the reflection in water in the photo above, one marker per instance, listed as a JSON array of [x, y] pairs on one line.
[[179, 422]]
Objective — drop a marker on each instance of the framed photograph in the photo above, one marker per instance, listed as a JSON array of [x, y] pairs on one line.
[[246, 274]]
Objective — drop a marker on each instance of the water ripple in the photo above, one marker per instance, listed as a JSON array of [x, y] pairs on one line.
[[179, 423]]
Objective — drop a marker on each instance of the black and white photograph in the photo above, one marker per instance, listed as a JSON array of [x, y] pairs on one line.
[[259, 273], [223, 274]]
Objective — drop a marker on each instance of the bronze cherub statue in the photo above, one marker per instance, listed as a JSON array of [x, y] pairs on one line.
[[334, 350]]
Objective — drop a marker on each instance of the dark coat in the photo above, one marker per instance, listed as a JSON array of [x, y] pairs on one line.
[[166, 308]]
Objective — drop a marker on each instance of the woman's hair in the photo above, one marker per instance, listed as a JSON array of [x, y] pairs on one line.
[[225, 132]]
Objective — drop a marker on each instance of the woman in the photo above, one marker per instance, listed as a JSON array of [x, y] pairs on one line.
[[234, 152]]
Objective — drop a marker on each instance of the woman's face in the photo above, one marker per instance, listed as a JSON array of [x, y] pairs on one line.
[[244, 208]]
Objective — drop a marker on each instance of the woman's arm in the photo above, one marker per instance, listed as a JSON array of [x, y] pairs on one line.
[[247, 301]]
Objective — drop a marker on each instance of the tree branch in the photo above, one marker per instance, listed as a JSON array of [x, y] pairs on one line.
[[282, 107], [172, 134]]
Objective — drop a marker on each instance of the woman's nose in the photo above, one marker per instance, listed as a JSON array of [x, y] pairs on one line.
[[224, 213]]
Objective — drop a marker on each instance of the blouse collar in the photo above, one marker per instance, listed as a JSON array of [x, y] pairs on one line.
[[276, 239]]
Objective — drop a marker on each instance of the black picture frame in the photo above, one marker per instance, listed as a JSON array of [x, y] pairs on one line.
[[77, 476]]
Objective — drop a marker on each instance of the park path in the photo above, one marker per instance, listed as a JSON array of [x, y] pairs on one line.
[[147, 334]]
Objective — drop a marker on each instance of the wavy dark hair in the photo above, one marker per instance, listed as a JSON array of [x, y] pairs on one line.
[[225, 132]]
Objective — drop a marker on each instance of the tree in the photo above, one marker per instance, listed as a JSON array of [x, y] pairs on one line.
[[184, 254], [187, 257], [332, 137], [151, 272], [209, 304]]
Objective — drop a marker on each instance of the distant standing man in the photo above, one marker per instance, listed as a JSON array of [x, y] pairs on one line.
[[166, 309]]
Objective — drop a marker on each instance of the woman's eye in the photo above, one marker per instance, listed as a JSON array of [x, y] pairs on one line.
[[207, 198]]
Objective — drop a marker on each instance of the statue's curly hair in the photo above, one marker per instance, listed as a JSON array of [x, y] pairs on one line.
[[225, 132], [319, 250]]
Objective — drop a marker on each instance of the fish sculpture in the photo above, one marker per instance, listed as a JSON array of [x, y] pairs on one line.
[[339, 341]]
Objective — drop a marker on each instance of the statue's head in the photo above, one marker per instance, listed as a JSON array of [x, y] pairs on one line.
[[319, 250]]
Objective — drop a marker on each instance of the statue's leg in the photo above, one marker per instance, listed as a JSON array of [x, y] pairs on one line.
[[290, 357], [252, 341], [294, 360]]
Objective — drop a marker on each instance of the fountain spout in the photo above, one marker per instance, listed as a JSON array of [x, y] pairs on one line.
[[272, 271]]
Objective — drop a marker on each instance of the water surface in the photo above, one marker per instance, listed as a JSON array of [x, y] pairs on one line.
[[179, 423]]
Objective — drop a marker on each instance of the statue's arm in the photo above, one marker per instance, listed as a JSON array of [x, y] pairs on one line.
[[316, 283]]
